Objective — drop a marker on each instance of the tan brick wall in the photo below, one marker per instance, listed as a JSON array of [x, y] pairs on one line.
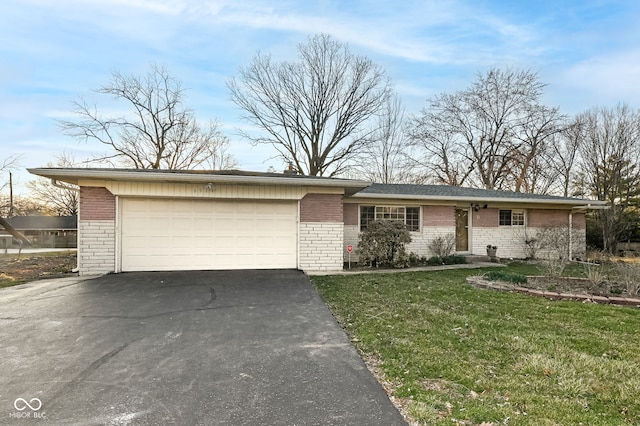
[[438, 216], [351, 214], [97, 203], [320, 246], [321, 208], [579, 221], [540, 218], [486, 218]]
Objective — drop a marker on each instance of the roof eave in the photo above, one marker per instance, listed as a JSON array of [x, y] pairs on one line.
[[74, 176], [579, 202]]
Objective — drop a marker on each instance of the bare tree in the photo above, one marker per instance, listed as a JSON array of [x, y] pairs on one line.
[[314, 111], [563, 154], [438, 133], [59, 200], [22, 206], [609, 163], [386, 159], [7, 204], [535, 131], [7, 165], [158, 132], [218, 156], [489, 135]]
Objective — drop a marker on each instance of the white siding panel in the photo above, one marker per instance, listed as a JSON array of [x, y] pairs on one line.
[[175, 190]]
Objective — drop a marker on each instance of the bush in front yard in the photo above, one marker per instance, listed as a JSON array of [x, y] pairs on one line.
[[383, 244], [443, 245], [510, 277], [454, 259]]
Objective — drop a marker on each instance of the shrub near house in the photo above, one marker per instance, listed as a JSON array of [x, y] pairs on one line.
[[383, 244]]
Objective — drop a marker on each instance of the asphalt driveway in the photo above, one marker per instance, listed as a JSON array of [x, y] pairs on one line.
[[197, 348]]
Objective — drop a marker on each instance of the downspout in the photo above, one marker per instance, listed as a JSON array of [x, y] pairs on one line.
[[577, 209], [55, 183], [570, 234]]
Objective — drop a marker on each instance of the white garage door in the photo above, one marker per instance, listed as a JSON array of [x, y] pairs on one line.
[[161, 235]]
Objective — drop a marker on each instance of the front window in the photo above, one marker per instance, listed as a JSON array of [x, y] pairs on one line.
[[511, 218], [410, 216]]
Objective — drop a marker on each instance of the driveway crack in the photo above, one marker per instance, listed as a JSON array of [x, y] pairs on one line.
[[212, 297], [84, 374]]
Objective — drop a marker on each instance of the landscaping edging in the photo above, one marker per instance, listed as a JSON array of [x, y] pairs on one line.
[[551, 295]]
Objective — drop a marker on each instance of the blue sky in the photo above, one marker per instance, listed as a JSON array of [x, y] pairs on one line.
[[51, 52]]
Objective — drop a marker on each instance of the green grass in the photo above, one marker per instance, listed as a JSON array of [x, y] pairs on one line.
[[507, 276], [454, 352]]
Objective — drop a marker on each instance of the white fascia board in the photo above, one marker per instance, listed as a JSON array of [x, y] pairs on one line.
[[75, 175], [580, 202]]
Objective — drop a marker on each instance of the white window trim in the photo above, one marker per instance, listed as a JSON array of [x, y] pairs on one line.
[[524, 218], [404, 206]]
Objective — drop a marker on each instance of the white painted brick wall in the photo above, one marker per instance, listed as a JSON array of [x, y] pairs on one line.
[[96, 247], [351, 233], [420, 241], [510, 241], [418, 245], [320, 246]]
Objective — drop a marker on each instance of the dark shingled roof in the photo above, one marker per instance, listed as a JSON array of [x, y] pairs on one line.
[[198, 172], [37, 223], [448, 191]]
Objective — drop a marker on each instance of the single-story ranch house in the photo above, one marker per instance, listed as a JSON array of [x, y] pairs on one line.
[[152, 220]]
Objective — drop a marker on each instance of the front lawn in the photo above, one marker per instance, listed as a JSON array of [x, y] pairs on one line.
[[454, 354]]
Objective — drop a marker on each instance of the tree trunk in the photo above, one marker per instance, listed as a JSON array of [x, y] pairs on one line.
[[16, 234]]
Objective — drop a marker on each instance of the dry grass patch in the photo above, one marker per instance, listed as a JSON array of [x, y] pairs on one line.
[[18, 269]]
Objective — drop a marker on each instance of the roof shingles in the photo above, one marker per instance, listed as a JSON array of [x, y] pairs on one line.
[[448, 191]]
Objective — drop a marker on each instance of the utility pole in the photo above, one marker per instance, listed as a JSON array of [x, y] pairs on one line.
[[10, 195]]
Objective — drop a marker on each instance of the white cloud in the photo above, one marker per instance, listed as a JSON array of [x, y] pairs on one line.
[[605, 79]]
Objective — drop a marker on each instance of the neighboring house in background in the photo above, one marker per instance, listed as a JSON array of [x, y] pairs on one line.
[[47, 231], [150, 220]]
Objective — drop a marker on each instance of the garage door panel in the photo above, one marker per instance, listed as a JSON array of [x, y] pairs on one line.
[[197, 234]]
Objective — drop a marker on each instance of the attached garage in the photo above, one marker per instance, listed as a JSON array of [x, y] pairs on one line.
[[159, 220], [178, 234]]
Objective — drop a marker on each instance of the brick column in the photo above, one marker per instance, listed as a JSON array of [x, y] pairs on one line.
[[321, 232], [96, 231]]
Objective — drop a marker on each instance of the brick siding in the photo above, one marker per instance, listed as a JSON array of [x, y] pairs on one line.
[[321, 208], [351, 214], [438, 216], [541, 218], [320, 246], [96, 247], [97, 203], [486, 218], [579, 221], [97, 231]]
